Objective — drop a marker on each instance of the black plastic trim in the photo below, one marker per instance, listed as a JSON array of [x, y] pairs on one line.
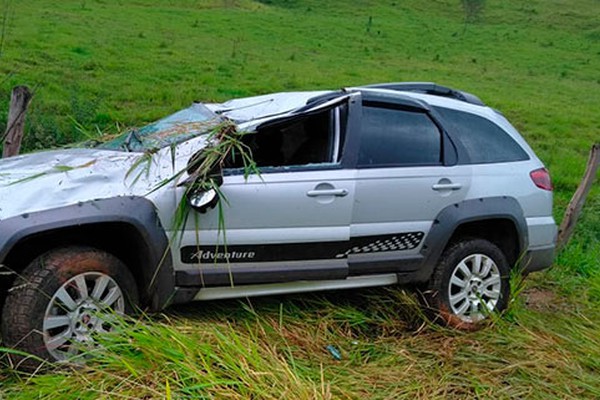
[[451, 217], [450, 154], [157, 279], [321, 99], [183, 295], [389, 100], [352, 134], [538, 259], [210, 276], [429, 88], [367, 264]]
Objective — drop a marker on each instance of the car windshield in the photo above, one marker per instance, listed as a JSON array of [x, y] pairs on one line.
[[176, 128]]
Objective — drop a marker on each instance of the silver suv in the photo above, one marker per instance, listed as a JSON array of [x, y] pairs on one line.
[[399, 183]]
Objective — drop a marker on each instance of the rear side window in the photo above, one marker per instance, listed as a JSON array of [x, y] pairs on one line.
[[484, 141], [398, 137]]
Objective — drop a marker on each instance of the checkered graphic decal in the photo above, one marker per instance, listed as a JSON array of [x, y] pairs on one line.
[[398, 242]]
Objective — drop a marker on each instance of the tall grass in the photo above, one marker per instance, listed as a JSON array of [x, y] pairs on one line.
[[277, 348]]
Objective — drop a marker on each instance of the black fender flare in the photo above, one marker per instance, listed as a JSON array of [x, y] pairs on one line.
[[474, 210], [157, 278]]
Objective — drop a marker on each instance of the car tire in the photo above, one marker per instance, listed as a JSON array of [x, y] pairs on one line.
[[471, 280], [61, 300]]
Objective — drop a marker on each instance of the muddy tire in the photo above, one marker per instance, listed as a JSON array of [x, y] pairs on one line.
[[61, 300], [471, 281]]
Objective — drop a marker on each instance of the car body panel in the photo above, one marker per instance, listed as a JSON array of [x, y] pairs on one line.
[[276, 208], [403, 199]]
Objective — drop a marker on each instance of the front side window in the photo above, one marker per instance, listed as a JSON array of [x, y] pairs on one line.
[[308, 140], [395, 137]]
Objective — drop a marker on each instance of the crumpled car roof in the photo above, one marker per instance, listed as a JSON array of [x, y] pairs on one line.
[[202, 118], [263, 107]]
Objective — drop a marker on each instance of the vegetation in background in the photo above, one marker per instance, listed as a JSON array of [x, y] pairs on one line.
[[473, 10], [99, 65]]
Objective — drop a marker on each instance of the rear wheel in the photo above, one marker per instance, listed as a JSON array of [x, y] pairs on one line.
[[471, 281], [62, 300]]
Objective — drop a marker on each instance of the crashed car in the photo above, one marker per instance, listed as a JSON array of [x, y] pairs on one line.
[[390, 184]]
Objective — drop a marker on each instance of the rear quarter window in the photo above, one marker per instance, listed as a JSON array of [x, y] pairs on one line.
[[483, 141]]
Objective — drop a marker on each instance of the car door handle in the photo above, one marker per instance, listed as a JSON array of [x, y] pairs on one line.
[[446, 186], [327, 192]]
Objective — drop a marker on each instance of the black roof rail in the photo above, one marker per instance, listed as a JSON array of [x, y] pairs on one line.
[[429, 88]]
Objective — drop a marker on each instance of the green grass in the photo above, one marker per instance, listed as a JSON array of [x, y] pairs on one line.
[[276, 348], [100, 64]]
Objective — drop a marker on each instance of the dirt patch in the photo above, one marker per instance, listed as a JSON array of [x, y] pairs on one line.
[[544, 300]]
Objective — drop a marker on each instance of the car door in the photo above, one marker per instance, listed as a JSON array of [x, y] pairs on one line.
[[288, 223], [405, 177]]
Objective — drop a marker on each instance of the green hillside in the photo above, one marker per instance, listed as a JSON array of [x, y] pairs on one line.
[[111, 64], [98, 66]]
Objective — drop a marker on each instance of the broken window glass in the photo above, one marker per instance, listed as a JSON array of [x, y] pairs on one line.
[[305, 140], [174, 129]]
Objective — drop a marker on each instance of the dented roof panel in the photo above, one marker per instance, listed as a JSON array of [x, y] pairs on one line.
[[263, 107], [203, 118]]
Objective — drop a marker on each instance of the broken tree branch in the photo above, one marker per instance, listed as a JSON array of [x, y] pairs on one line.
[[20, 98], [576, 204]]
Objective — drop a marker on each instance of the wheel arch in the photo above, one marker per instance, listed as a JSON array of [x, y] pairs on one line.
[[500, 231], [127, 227], [499, 220]]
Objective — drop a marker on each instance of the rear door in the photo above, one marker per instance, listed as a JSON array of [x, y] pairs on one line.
[[405, 177], [290, 223]]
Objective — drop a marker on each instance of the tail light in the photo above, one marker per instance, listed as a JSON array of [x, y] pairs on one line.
[[541, 178]]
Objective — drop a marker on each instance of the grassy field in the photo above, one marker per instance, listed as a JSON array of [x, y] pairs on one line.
[[101, 65]]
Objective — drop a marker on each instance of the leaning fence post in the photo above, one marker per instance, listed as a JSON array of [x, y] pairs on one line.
[[576, 204], [19, 100]]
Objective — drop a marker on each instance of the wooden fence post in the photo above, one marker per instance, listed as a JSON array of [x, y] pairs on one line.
[[576, 204], [19, 100]]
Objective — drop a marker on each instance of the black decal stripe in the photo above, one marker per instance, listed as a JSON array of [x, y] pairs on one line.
[[261, 252], [376, 244], [300, 251]]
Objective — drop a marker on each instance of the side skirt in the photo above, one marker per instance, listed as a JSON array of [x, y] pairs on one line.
[[294, 287]]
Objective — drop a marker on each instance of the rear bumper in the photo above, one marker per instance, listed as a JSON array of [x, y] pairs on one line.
[[538, 258], [542, 233]]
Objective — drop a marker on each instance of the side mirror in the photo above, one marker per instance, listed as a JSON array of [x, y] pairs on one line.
[[201, 200], [201, 194]]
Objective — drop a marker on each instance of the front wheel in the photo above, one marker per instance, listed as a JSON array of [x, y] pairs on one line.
[[471, 281], [63, 299]]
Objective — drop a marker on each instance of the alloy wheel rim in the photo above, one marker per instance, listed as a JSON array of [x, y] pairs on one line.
[[475, 287], [81, 308]]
